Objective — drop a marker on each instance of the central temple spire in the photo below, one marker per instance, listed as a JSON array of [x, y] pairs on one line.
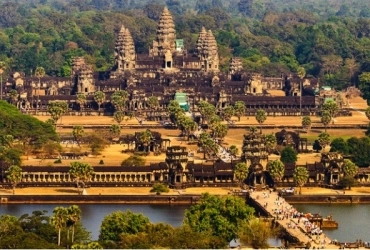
[[166, 35]]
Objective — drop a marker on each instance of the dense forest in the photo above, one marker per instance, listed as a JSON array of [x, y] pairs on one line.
[[329, 38]]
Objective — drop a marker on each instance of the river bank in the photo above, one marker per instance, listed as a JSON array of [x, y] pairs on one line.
[[142, 195]]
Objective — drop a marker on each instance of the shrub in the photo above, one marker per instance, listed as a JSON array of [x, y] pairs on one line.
[[159, 188], [288, 155], [101, 162], [58, 161], [134, 160]]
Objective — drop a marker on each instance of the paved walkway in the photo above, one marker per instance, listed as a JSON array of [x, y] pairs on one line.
[[294, 226]]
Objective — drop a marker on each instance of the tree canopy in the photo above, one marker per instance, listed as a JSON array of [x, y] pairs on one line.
[[221, 216]]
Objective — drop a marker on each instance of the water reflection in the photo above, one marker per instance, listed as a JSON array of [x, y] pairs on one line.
[[93, 214], [353, 219]]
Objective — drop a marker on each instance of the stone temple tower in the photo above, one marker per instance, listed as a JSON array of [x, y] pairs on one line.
[[207, 51], [124, 51], [166, 35], [83, 75]]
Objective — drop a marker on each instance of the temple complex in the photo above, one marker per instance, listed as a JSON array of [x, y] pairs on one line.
[[169, 68]]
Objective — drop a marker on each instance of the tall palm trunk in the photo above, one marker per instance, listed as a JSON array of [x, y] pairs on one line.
[[59, 231], [73, 232]]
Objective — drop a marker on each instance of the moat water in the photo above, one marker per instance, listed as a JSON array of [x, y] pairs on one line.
[[353, 219]]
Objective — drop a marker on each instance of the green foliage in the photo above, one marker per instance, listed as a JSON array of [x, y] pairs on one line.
[[347, 182], [133, 160], [57, 109], [206, 110], [81, 172], [324, 139], [306, 122], [271, 142], [349, 168], [14, 175], [288, 155], [300, 176], [118, 223], [208, 144], [159, 188], [239, 109], [241, 171], [58, 161], [339, 145], [175, 111], [228, 112], [78, 132], [276, 169], [234, 150], [359, 148], [25, 128], [219, 216], [96, 143], [261, 117], [118, 99], [255, 233]]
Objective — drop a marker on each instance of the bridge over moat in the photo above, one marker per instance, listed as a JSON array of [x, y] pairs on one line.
[[269, 202]]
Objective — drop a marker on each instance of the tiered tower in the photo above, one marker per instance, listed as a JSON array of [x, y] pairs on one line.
[[207, 51], [201, 41], [235, 65], [255, 155], [85, 79], [166, 35], [124, 51]]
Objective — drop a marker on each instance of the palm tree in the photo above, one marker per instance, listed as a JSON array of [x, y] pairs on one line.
[[227, 113], [39, 73], [58, 220], [188, 125], [175, 110], [276, 169], [119, 116], [145, 138], [57, 109], [153, 103], [118, 99], [214, 121], [208, 144], [77, 133], [271, 142], [81, 100], [234, 151], [220, 131], [239, 109], [14, 175], [115, 130], [2, 69], [81, 173], [241, 172], [13, 96], [99, 98], [331, 107], [324, 140], [325, 118], [73, 216], [261, 117], [300, 176], [349, 169], [207, 110], [306, 122]]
